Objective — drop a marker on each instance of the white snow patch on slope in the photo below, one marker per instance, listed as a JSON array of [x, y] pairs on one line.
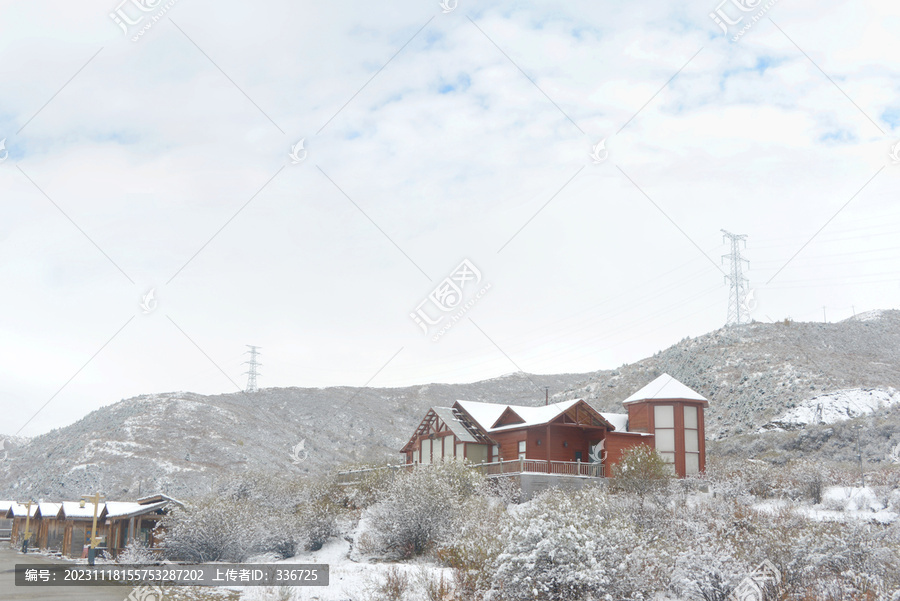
[[834, 407]]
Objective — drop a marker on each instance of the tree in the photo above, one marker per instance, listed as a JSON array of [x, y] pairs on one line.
[[641, 472]]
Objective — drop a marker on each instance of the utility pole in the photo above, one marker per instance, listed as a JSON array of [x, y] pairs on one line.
[[92, 550], [254, 364], [27, 536], [738, 311]]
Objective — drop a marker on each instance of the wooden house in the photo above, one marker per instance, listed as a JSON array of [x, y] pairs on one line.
[[21, 516], [77, 518], [47, 527], [136, 521], [5, 522], [570, 438]]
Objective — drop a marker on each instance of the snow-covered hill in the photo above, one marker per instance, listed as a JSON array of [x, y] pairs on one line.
[[834, 407]]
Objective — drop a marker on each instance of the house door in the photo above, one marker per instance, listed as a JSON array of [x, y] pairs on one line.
[[577, 455]]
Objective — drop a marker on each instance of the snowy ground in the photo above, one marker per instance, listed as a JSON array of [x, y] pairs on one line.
[[835, 406], [844, 503], [350, 579]]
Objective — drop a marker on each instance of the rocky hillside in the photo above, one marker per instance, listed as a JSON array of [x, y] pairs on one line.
[[753, 373], [180, 442]]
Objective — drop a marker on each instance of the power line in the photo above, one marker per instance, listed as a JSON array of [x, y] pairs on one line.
[[738, 311], [254, 364]]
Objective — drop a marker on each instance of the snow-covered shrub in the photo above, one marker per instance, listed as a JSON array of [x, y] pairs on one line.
[[563, 546], [363, 491], [475, 544], [136, 552], [419, 508], [436, 587], [213, 529], [706, 570], [392, 585]]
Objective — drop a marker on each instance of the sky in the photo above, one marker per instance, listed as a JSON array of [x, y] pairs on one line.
[[395, 194]]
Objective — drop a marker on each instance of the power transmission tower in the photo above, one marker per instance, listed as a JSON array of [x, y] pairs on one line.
[[738, 310], [252, 372]]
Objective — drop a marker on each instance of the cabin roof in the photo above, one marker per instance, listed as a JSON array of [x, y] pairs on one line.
[[157, 498], [618, 420], [488, 414], [535, 416], [485, 414], [20, 510], [456, 426], [72, 510], [49, 510], [122, 509], [665, 387]]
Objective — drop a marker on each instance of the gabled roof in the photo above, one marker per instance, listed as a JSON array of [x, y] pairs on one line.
[[120, 509], [20, 510], [4, 507], [456, 426], [456, 421], [484, 414], [529, 416], [48, 510], [618, 420], [157, 498], [665, 387], [72, 510]]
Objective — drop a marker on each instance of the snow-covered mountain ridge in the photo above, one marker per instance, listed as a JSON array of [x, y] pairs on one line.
[[180, 442]]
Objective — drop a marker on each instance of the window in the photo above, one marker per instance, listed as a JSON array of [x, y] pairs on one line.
[[496, 453], [691, 441], [521, 449], [426, 451], [664, 427]]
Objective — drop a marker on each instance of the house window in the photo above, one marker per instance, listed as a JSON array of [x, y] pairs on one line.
[[496, 453], [691, 441], [426, 451], [664, 428], [521, 449]]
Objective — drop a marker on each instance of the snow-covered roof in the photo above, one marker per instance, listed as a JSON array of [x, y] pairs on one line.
[[664, 387], [73, 510], [459, 430], [49, 510], [120, 509], [20, 510], [618, 420], [4, 507], [483, 413], [535, 416], [157, 498], [487, 414]]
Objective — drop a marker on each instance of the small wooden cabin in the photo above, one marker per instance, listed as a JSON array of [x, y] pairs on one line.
[[19, 513], [5, 522], [77, 518], [136, 521], [48, 528], [664, 414]]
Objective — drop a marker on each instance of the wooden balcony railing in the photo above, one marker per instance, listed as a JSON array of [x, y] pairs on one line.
[[541, 466], [498, 468]]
